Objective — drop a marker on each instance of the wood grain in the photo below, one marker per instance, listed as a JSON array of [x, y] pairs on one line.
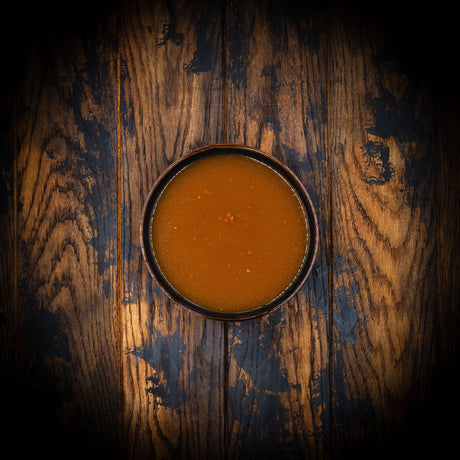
[[173, 361], [277, 101], [361, 103], [67, 324], [384, 235]]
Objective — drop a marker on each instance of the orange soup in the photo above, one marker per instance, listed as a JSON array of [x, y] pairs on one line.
[[229, 233]]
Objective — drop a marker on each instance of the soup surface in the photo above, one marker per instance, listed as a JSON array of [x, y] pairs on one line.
[[229, 233]]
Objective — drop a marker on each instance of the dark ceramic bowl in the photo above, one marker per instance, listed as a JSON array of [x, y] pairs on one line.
[[286, 173]]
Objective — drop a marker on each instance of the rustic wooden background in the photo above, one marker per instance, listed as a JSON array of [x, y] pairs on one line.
[[359, 101]]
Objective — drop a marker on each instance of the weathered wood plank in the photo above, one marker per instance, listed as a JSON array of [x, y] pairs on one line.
[[384, 234], [173, 361], [277, 101], [67, 221]]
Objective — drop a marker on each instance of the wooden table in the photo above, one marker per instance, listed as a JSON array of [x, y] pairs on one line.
[[358, 103]]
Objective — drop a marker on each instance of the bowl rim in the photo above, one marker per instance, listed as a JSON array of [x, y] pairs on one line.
[[270, 161]]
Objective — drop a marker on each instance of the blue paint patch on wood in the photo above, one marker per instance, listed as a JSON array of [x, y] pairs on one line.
[[378, 169], [155, 293], [163, 353], [343, 265], [256, 399], [205, 51], [262, 416], [170, 33], [95, 158], [396, 117], [238, 35], [408, 119], [320, 274], [320, 396], [346, 315], [106, 284], [348, 412], [254, 347], [264, 110], [131, 291], [270, 71], [302, 165]]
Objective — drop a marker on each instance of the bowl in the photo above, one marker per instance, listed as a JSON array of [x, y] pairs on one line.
[[157, 270]]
